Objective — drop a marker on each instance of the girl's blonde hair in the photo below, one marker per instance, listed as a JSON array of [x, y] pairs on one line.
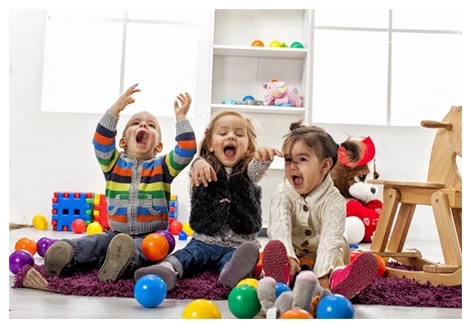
[[205, 143]]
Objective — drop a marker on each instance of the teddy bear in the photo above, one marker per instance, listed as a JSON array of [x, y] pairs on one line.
[[278, 94], [362, 197], [306, 295]]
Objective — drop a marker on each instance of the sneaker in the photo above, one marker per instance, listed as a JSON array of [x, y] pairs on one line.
[[58, 256], [168, 275], [242, 264], [119, 254], [275, 262], [352, 279]]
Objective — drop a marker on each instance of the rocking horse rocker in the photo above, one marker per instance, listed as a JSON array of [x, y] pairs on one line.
[[442, 191]]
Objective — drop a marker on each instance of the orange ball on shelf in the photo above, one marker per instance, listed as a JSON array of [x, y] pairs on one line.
[[25, 244], [155, 246], [381, 265], [296, 313], [257, 43]]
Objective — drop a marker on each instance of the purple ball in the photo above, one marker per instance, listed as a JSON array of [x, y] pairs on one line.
[[19, 259], [170, 238], [43, 244]]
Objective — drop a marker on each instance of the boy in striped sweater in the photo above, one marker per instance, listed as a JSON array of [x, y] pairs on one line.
[[137, 190]]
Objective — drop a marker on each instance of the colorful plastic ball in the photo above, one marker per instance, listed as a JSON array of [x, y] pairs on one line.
[[40, 222], [249, 282], [79, 226], [257, 43], [275, 43], [243, 302], [354, 229], [155, 246], [335, 306], [281, 288], [43, 244], [201, 309], [170, 239], [186, 227], [150, 290], [175, 227], [284, 45], [381, 265], [182, 235], [296, 313], [94, 228], [247, 98], [18, 259], [26, 244], [296, 44]]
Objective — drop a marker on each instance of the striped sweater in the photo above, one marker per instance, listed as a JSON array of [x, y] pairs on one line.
[[138, 192]]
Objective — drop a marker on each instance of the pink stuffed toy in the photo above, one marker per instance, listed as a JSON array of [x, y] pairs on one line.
[[276, 93]]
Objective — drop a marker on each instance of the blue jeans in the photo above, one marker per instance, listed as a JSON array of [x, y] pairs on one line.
[[197, 257], [91, 250]]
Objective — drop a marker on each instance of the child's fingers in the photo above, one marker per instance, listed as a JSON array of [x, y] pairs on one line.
[[175, 104], [207, 174], [277, 152], [213, 174], [188, 97]]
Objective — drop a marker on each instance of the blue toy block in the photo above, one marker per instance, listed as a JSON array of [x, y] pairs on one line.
[[68, 206], [182, 236]]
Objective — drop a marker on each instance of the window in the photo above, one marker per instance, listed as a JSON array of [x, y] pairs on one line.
[[386, 67], [91, 57]]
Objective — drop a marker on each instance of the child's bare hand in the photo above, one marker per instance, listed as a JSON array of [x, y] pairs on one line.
[[264, 154], [293, 266], [202, 172], [125, 99], [182, 109], [324, 282]]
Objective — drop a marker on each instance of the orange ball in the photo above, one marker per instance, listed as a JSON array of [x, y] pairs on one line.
[[381, 265], [25, 244], [257, 43], [296, 313], [155, 246]]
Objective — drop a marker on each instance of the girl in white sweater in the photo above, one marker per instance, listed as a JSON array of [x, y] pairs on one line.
[[307, 215]]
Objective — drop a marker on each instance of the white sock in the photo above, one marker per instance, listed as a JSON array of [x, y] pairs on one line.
[[169, 265]]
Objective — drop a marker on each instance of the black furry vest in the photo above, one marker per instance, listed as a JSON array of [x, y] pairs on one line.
[[235, 203]]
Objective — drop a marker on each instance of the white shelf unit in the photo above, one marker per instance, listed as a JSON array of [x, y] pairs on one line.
[[239, 69]]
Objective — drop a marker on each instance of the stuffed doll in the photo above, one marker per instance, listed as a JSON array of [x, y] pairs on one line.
[[361, 197], [278, 94]]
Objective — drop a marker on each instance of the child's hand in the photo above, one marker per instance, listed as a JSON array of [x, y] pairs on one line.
[[125, 99], [202, 172], [264, 154], [185, 102], [293, 266], [324, 282]]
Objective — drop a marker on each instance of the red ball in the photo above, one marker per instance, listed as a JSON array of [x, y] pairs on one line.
[[175, 227], [79, 226], [354, 255], [381, 265], [155, 246]]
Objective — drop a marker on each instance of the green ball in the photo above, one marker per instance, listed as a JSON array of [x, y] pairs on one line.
[[243, 302], [297, 44]]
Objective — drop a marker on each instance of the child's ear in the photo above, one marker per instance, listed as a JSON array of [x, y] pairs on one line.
[[211, 149], [327, 165], [122, 143], [158, 148]]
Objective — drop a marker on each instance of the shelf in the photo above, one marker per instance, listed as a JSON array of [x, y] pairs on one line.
[[260, 52], [260, 109]]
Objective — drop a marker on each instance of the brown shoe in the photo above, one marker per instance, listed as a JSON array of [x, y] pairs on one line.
[[119, 254], [57, 257]]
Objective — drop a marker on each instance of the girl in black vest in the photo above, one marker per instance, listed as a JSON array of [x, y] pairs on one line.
[[226, 211]]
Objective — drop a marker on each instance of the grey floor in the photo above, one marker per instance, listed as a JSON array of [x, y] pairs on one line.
[[29, 303]]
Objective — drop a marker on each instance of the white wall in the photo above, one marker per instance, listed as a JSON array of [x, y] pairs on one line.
[[53, 152]]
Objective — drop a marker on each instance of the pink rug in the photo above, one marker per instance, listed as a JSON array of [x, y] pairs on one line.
[[383, 291]]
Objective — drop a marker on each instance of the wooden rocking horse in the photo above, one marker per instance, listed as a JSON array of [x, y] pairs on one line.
[[442, 191]]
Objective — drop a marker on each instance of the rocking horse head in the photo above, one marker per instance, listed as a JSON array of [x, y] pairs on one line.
[[447, 145]]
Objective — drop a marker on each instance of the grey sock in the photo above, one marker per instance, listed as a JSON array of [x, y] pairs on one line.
[[266, 291], [284, 302], [303, 290]]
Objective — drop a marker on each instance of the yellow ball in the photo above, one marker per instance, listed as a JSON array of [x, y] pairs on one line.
[[187, 229], [94, 228], [201, 309], [40, 222], [275, 44], [249, 281]]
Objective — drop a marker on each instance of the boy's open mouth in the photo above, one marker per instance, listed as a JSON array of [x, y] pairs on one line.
[[230, 151], [297, 181], [142, 137]]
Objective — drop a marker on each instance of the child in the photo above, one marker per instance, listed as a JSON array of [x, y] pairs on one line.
[[137, 190], [307, 215], [226, 212]]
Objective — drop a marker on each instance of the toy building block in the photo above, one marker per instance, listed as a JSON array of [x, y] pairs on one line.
[[68, 206], [173, 208], [100, 212]]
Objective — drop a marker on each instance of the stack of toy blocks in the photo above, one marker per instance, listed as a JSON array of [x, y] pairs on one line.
[[69, 206], [173, 211]]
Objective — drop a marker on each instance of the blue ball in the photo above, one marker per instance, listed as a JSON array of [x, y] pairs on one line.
[[335, 306], [281, 288], [248, 97], [150, 290]]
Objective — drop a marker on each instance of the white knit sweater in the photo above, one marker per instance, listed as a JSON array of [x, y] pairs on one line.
[[311, 226]]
